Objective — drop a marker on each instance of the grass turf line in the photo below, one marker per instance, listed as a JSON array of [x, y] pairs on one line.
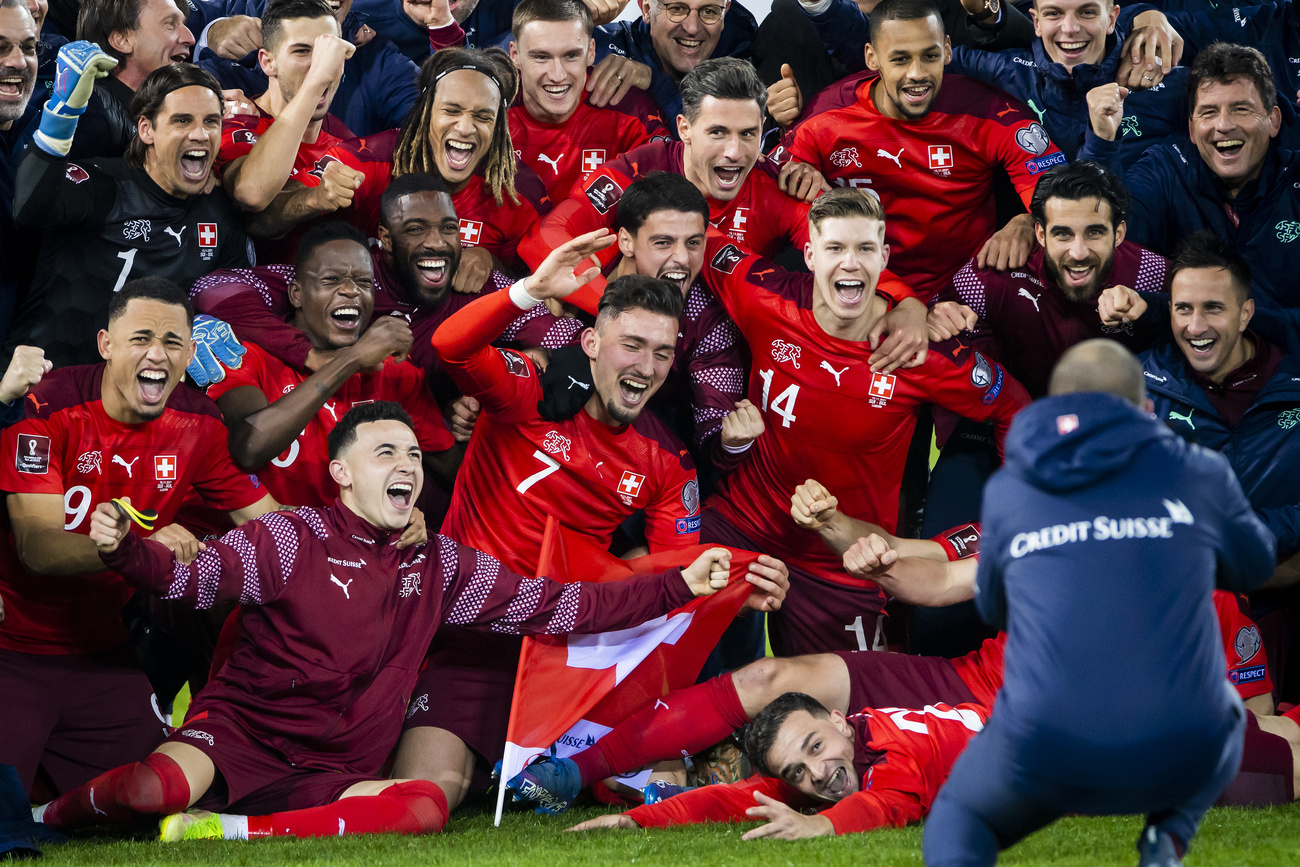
[[1228, 837]]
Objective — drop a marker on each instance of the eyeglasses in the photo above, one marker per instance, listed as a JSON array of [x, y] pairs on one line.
[[678, 12]]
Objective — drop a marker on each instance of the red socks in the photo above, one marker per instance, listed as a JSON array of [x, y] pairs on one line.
[[413, 807], [154, 787], [681, 723]]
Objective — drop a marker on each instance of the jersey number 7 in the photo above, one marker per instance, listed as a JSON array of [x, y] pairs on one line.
[[551, 466]]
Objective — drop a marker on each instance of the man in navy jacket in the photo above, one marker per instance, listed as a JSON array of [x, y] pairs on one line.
[[1103, 537]]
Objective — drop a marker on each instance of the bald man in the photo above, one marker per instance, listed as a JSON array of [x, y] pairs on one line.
[[1103, 535]]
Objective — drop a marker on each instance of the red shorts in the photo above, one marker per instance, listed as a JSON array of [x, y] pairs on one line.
[[254, 779], [74, 717], [818, 616], [466, 687], [880, 679]]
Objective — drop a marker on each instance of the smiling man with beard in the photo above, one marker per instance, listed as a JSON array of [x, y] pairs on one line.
[[1026, 318], [103, 220]]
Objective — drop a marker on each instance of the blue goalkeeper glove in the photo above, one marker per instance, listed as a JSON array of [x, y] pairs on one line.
[[79, 64], [215, 344]]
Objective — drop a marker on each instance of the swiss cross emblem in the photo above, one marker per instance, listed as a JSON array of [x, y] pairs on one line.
[[164, 468], [940, 157], [738, 221], [882, 385], [470, 232], [631, 483], [592, 159], [207, 234]]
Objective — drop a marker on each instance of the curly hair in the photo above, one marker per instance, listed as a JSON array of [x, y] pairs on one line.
[[414, 152]]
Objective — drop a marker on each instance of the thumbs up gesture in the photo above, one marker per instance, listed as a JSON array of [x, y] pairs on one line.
[[784, 101]]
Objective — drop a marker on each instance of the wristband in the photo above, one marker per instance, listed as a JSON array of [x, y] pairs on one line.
[[960, 542], [519, 295], [736, 450]]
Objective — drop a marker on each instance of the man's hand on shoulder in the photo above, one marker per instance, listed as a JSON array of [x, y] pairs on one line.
[[613, 77], [801, 181], [784, 822], [1010, 246], [907, 342], [235, 36]]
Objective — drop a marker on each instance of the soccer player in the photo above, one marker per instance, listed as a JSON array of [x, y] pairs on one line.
[[808, 335], [77, 701], [1026, 318], [574, 443], [721, 127], [942, 142], [280, 418], [555, 128], [142, 36], [459, 131], [302, 717], [415, 264], [1107, 705], [303, 57], [100, 223]]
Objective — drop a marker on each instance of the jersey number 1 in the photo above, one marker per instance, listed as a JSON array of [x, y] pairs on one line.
[[551, 466], [783, 403]]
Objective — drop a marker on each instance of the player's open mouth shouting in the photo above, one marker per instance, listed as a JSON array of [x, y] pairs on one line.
[[401, 494], [195, 162], [460, 154], [729, 176], [632, 389], [433, 270], [850, 291], [153, 385]]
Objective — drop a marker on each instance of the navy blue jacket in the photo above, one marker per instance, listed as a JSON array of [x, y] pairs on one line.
[[487, 25], [632, 39], [1174, 193], [1060, 99], [1264, 447], [1274, 30], [379, 83], [1103, 534]]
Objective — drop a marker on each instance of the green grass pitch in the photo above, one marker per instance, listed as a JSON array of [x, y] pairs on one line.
[[1240, 838]]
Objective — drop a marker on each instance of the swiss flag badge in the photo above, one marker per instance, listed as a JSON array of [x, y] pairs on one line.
[[592, 159], [470, 232], [882, 385], [207, 234], [630, 484], [164, 468]]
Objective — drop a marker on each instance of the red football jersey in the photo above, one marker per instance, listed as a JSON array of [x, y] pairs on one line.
[[902, 757], [827, 416], [563, 154], [241, 132], [760, 218], [483, 223], [300, 476], [1242, 646], [934, 176], [69, 446], [519, 467]]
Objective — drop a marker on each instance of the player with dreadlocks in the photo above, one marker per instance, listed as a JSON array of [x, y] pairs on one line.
[[458, 130]]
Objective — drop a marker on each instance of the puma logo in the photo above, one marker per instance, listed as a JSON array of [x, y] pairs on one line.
[[1183, 418], [579, 383], [37, 402], [175, 234], [330, 406], [346, 594], [881, 152], [826, 366], [553, 163], [763, 273], [117, 459], [1038, 111], [1032, 298], [1006, 110], [659, 702]]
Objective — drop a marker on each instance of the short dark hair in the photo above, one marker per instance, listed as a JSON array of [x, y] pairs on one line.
[[325, 233], [1223, 61], [1206, 249], [721, 78], [99, 19], [529, 11], [902, 10], [659, 191], [148, 100], [405, 185], [150, 289], [1082, 179], [639, 292], [762, 732], [345, 432], [279, 11]]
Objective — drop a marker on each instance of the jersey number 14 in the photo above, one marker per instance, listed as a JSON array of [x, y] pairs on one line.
[[783, 403]]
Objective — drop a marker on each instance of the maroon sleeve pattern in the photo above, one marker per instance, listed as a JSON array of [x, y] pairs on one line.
[[717, 366], [254, 303], [540, 327]]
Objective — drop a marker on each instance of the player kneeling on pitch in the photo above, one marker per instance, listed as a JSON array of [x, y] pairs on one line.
[[293, 733]]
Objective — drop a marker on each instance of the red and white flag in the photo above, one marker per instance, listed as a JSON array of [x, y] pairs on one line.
[[572, 689]]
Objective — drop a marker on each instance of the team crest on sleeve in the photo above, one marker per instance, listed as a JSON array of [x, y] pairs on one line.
[[727, 259], [244, 136], [471, 232], [514, 362], [987, 376], [318, 170], [603, 193], [76, 173], [965, 541], [882, 388], [33, 454], [691, 496], [1247, 643], [1033, 139]]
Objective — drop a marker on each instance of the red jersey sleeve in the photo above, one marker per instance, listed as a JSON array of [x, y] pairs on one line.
[[503, 380], [1021, 145], [251, 372], [672, 518], [37, 447], [720, 803], [966, 382], [238, 135], [591, 208], [1242, 646], [445, 37], [406, 385], [220, 483]]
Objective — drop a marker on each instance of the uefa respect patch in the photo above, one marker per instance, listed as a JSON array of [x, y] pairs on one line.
[[1042, 164]]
